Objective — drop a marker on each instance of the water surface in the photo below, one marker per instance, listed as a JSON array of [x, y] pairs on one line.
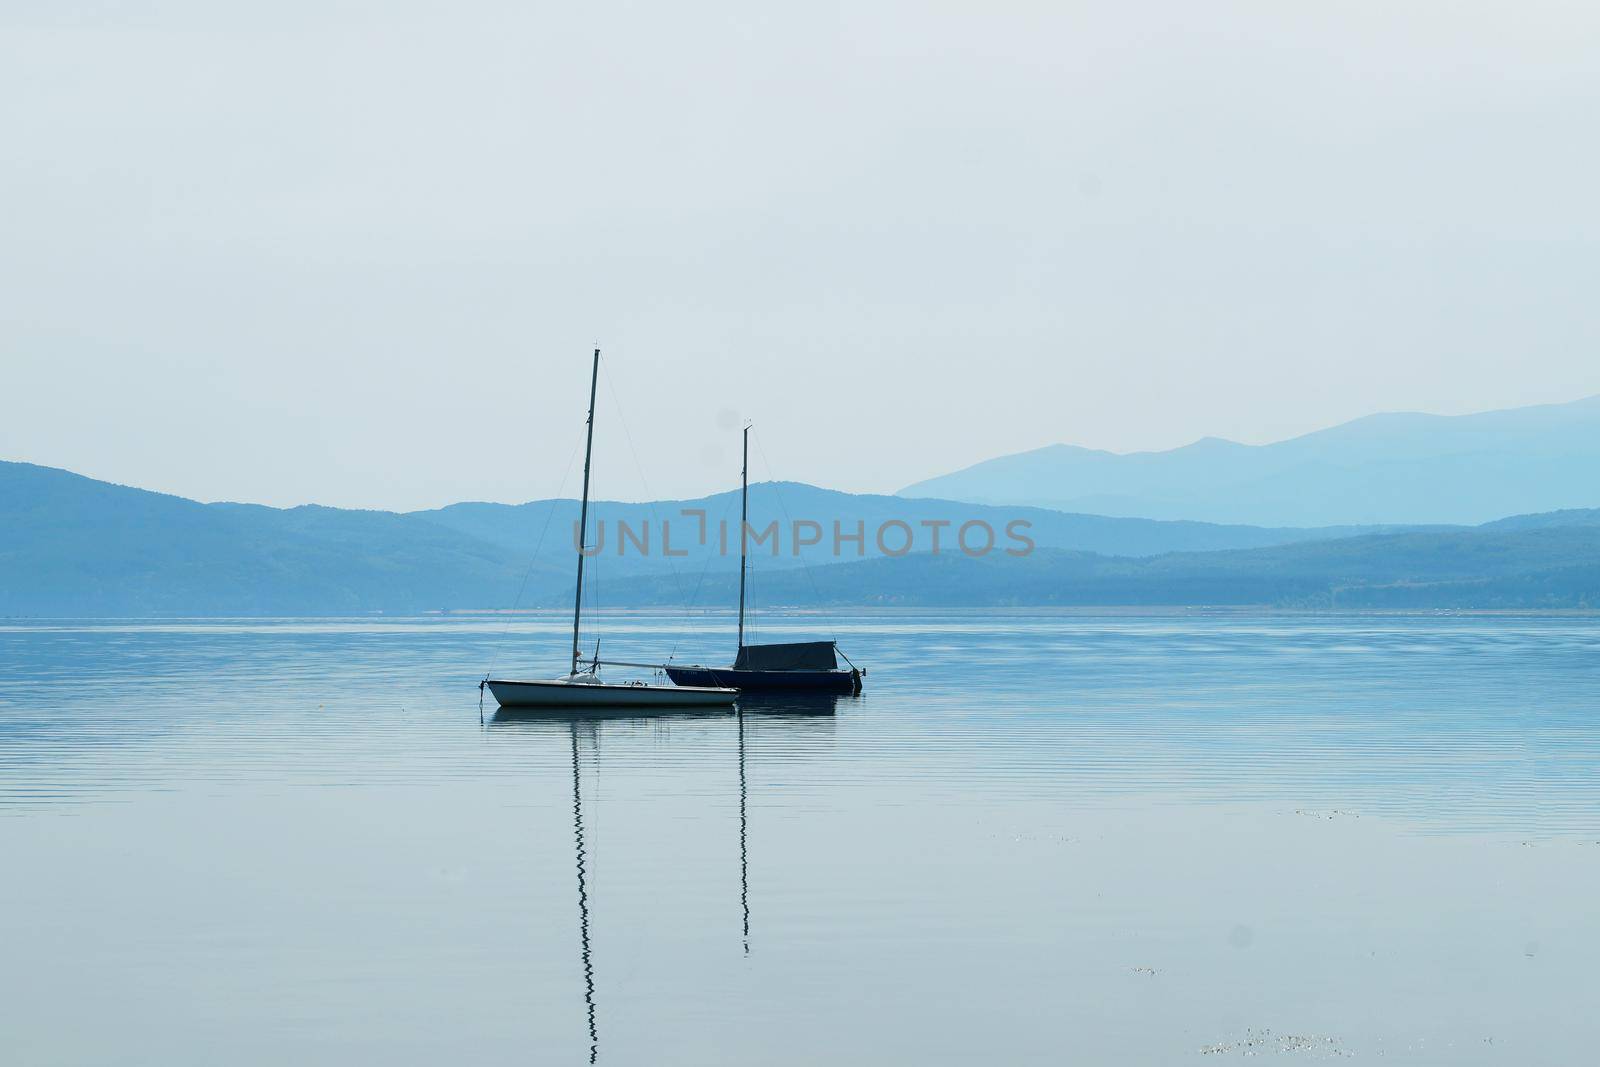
[[1036, 838]]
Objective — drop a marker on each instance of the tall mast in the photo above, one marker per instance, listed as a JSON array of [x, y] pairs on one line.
[[583, 511], [744, 515]]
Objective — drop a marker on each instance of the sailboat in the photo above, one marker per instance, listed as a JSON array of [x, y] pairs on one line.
[[584, 688], [809, 665]]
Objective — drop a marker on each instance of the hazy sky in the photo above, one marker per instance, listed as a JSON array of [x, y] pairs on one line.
[[357, 254]]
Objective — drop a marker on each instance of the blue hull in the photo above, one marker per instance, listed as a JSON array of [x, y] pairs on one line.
[[817, 681]]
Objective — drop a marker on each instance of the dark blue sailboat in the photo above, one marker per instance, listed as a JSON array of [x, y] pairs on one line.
[[810, 665], [797, 665]]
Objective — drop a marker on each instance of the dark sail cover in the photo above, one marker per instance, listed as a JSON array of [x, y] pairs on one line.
[[797, 656]]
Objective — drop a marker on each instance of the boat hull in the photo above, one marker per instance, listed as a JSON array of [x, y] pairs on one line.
[[567, 695], [816, 681]]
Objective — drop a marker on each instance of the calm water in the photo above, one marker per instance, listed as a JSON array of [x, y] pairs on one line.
[[1035, 839]]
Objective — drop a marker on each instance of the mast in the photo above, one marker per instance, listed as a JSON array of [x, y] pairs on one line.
[[583, 511], [744, 515]]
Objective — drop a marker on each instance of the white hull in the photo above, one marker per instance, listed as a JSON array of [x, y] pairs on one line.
[[579, 691], [560, 693]]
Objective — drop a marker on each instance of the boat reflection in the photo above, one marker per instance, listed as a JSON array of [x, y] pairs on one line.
[[766, 705], [780, 726], [798, 703], [541, 721]]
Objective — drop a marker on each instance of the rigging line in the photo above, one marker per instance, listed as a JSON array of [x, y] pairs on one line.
[[616, 402], [593, 587], [704, 570], [555, 502], [753, 623], [816, 592]]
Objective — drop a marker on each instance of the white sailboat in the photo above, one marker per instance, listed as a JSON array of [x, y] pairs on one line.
[[585, 689]]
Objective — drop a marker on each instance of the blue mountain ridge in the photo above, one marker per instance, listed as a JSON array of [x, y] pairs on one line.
[[74, 546], [1388, 469], [71, 545]]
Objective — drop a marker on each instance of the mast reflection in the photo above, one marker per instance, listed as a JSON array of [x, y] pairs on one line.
[[789, 723], [744, 841], [771, 710], [583, 897]]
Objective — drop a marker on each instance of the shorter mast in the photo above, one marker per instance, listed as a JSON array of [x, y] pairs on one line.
[[744, 515]]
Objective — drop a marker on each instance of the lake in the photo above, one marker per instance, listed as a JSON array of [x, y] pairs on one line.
[[1035, 838]]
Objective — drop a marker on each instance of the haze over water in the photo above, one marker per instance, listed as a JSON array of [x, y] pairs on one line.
[[1037, 838]]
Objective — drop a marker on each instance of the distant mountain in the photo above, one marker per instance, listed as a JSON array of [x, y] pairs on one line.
[[1524, 564], [1548, 520], [1383, 469], [550, 524], [70, 545]]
